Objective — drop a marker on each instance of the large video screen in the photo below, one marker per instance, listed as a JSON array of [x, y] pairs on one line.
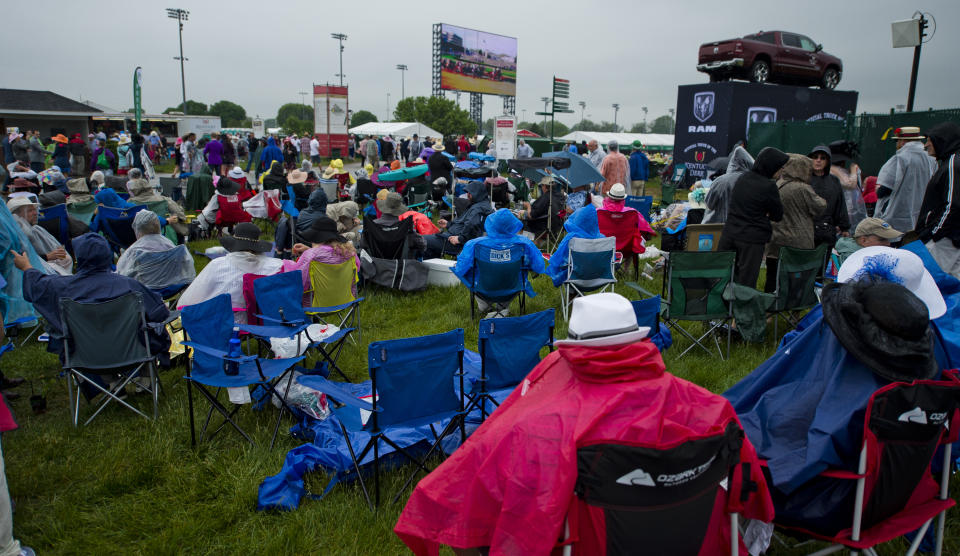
[[477, 62]]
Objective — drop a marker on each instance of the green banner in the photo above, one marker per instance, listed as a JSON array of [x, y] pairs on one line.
[[137, 83]]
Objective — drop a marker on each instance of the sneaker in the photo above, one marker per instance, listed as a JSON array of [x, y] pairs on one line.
[[43, 337]]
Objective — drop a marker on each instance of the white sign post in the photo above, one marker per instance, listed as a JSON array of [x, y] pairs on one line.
[[505, 137], [258, 129]]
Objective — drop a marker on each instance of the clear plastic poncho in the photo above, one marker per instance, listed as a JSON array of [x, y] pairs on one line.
[[12, 303], [157, 263]]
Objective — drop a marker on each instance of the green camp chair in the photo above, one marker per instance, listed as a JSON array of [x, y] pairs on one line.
[[797, 271], [693, 291], [83, 211], [161, 209]]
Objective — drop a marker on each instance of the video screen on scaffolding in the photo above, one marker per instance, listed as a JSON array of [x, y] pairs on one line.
[[477, 62]]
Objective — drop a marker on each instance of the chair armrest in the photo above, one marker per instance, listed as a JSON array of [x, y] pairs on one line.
[[644, 292], [273, 331], [219, 354], [280, 321], [332, 308], [338, 393]]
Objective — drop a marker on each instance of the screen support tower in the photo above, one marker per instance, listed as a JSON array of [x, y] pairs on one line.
[[476, 110], [510, 105], [436, 90]]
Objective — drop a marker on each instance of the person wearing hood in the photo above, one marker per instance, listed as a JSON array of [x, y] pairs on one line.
[[503, 233], [316, 207], [939, 222], [275, 178], [903, 179], [800, 206], [139, 263], [754, 203], [109, 198], [834, 220], [26, 213], [347, 216], [718, 195], [142, 193], [603, 390], [464, 227], [94, 282], [270, 154], [581, 224]]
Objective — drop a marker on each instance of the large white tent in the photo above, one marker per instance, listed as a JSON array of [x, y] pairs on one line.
[[660, 140], [396, 129]]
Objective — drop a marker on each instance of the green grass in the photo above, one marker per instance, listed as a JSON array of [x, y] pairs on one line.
[[124, 484]]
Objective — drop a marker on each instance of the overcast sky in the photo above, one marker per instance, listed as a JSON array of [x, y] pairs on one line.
[[261, 54]]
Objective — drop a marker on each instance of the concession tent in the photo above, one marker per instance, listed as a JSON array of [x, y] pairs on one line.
[[654, 141], [396, 129]]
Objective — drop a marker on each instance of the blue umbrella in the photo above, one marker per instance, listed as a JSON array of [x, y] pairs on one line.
[[404, 173], [481, 157], [466, 164], [580, 172]]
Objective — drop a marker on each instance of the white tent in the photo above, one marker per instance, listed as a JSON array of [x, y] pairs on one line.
[[396, 129], [660, 140]]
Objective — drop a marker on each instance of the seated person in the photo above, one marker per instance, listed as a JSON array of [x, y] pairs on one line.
[[152, 271], [26, 213], [582, 224], [579, 197], [225, 207], [514, 480], [464, 227], [545, 209], [108, 197], [316, 207], [503, 232], [97, 181], [79, 191], [94, 282], [347, 216], [247, 254], [54, 198], [615, 201], [326, 246], [52, 179], [804, 407], [238, 176], [275, 178], [17, 169], [391, 207], [142, 193], [296, 179], [869, 232]]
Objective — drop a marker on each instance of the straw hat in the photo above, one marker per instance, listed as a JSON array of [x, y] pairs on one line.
[[907, 133], [296, 176]]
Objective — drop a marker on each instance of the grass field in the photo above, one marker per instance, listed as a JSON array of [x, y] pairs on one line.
[[126, 485]]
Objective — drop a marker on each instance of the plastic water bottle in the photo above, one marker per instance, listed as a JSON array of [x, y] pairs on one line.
[[232, 368]]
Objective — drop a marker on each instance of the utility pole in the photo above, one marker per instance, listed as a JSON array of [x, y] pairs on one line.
[[545, 101], [916, 62], [388, 108], [673, 120], [644, 108], [616, 108], [303, 104], [180, 16], [403, 70], [340, 37], [583, 106]]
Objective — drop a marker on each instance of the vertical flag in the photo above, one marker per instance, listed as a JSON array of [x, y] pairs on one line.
[[137, 83]]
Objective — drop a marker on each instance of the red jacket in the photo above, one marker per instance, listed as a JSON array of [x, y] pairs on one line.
[[510, 486]]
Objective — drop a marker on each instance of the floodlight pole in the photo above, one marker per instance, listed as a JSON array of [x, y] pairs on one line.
[[303, 103], [403, 70], [616, 108], [340, 37], [916, 65], [583, 106], [180, 16]]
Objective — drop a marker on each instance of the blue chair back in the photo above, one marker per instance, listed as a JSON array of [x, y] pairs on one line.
[[642, 204], [211, 324], [280, 296], [58, 213], [413, 378], [510, 347], [648, 313], [591, 261], [287, 205], [498, 273], [117, 225]]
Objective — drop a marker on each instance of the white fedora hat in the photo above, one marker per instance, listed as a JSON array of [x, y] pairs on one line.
[[603, 319]]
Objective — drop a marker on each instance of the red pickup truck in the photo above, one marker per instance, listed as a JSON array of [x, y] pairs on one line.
[[774, 56]]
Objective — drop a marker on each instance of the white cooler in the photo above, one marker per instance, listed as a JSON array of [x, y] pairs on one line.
[[440, 272]]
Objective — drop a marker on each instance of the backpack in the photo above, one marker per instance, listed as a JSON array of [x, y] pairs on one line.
[[102, 161]]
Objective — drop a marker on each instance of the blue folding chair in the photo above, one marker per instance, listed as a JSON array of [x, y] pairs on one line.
[[209, 326], [648, 314], [590, 268], [509, 350], [116, 224], [413, 384], [499, 275], [642, 204], [59, 220], [279, 298]]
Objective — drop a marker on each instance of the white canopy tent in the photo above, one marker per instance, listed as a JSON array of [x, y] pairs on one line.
[[396, 129], [658, 140]]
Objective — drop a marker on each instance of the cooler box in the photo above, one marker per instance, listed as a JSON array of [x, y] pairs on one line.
[[440, 272]]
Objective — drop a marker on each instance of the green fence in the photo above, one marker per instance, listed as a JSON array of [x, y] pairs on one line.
[[867, 130]]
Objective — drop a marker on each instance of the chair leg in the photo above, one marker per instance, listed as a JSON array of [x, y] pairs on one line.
[[74, 407], [356, 463]]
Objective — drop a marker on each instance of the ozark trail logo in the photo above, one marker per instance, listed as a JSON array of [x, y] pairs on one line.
[[703, 105], [637, 477]]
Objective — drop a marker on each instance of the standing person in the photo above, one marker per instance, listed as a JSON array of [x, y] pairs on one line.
[[463, 147], [451, 146], [289, 154], [229, 158], [270, 154], [754, 202], [78, 155], [371, 151], [137, 152], [61, 153], [415, 146], [254, 150], [801, 205], [939, 224], [524, 150], [20, 148], [213, 151], [615, 168], [405, 150], [37, 154], [188, 150], [156, 145], [123, 155], [8, 148], [439, 165], [833, 221], [315, 151], [639, 169], [387, 148], [103, 159], [903, 179], [594, 153], [305, 148]]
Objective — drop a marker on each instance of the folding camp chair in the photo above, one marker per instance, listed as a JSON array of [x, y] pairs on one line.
[[499, 275], [387, 242], [625, 227], [641, 204], [54, 219], [703, 237], [366, 192], [278, 299], [418, 197], [333, 299], [329, 188], [590, 268], [170, 187], [895, 492], [161, 209], [209, 326], [414, 384], [668, 187], [509, 349], [660, 498], [117, 226], [648, 313], [84, 211], [693, 291], [97, 348], [797, 271]]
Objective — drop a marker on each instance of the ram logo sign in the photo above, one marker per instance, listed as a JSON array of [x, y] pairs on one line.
[[703, 105]]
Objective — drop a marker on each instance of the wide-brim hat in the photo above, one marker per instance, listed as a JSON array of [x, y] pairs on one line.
[[618, 192], [20, 201], [438, 147], [246, 237], [123, 139], [237, 173], [296, 176], [60, 138], [393, 204], [637, 145], [879, 263], [226, 186], [322, 230], [603, 319], [329, 172], [907, 133]]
